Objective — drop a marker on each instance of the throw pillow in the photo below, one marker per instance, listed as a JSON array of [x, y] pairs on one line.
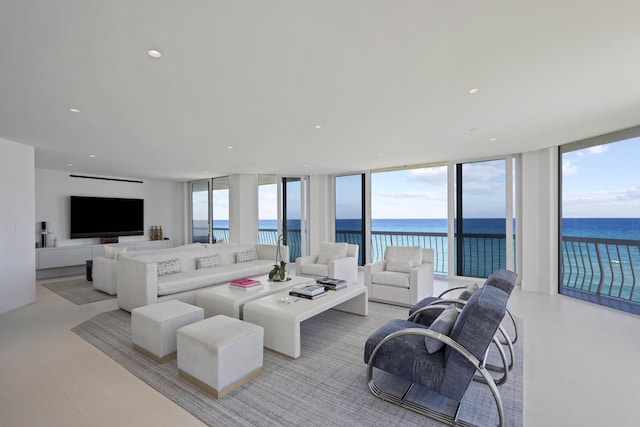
[[171, 266], [330, 251], [208, 261], [245, 256], [399, 265], [466, 294], [443, 325]]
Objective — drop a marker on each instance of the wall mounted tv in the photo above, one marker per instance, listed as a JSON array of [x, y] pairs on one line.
[[106, 217]]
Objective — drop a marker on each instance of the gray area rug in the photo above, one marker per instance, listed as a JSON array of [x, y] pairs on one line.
[[324, 387], [79, 291]]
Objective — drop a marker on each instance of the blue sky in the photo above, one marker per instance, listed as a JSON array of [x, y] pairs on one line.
[[422, 193], [602, 181]]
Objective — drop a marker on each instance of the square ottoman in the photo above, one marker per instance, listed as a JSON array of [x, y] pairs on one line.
[[219, 354], [153, 327]]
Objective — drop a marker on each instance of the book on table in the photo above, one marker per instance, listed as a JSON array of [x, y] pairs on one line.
[[245, 283], [308, 291], [293, 293], [332, 284]]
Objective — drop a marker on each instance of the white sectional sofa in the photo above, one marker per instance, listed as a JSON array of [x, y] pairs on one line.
[[179, 274], [104, 267]]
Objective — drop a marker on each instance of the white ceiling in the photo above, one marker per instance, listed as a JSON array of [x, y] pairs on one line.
[[387, 81]]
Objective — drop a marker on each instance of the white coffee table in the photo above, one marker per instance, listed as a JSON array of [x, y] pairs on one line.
[[229, 300], [281, 321]]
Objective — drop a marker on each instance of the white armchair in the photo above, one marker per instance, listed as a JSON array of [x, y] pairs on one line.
[[404, 277], [336, 260]]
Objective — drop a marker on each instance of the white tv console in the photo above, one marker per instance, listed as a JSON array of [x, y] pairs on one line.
[[67, 260]]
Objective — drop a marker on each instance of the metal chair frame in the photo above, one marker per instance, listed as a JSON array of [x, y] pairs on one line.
[[421, 409]]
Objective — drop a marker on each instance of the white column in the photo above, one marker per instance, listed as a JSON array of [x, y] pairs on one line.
[[243, 209], [539, 223]]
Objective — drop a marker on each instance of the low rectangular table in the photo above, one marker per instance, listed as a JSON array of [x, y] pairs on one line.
[[229, 300], [281, 320]]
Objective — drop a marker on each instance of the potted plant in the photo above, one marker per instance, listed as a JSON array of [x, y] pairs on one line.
[[279, 271]]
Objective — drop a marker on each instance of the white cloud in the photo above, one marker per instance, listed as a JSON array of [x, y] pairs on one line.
[[595, 150], [569, 167], [427, 195], [628, 198], [435, 175], [482, 171], [598, 149]]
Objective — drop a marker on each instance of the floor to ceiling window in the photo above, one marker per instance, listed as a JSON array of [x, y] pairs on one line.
[[200, 212], [409, 208], [481, 217], [600, 220], [220, 208], [267, 209], [294, 215], [350, 211]]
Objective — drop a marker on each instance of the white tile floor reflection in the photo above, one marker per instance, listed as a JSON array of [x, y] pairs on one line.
[[581, 368]]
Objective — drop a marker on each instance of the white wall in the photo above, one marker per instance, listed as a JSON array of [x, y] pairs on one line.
[[17, 245], [163, 204]]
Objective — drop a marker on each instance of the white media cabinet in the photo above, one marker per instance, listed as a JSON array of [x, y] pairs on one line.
[[66, 260]]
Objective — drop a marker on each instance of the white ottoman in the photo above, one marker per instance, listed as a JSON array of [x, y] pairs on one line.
[[219, 354], [153, 327]]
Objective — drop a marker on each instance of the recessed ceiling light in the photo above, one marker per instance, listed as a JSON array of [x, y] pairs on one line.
[[229, 147], [380, 155], [317, 126], [74, 110], [92, 156], [474, 91], [154, 53], [492, 139], [69, 164]]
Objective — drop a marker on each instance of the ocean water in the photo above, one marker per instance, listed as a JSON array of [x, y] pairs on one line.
[[607, 270], [610, 228]]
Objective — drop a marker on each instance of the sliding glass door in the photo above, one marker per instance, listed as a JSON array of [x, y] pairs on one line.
[[267, 209], [220, 209], [294, 215], [481, 221], [350, 208]]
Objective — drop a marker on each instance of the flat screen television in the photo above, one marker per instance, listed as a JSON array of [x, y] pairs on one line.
[[106, 217]]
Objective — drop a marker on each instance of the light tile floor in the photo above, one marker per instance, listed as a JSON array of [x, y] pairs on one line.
[[581, 368]]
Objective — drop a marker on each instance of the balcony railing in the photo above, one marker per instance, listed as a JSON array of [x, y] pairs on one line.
[[602, 267], [436, 241], [485, 253]]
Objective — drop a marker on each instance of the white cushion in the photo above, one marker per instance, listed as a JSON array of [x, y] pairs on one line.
[[390, 278], [196, 279], [330, 251], [399, 265], [113, 252], [315, 269], [409, 253]]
